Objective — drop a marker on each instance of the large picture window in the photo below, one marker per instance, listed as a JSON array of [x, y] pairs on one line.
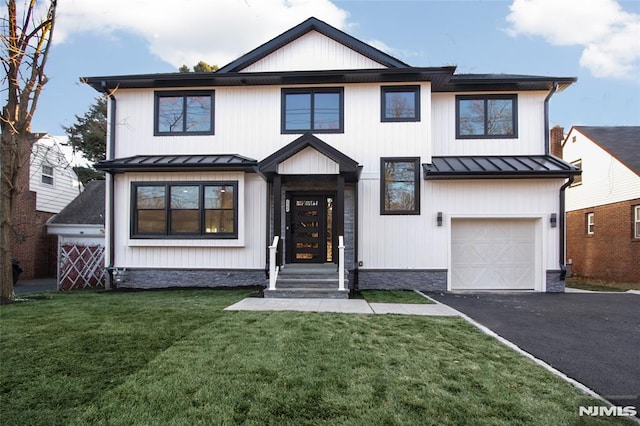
[[184, 113], [400, 103], [318, 110], [400, 186], [486, 116], [185, 210]]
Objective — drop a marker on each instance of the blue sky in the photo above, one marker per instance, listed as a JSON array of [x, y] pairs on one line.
[[597, 41]]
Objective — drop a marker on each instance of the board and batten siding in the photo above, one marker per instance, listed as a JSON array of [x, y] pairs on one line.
[[247, 122], [65, 188], [530, 140], [248, 251], [313, 51], [416, 242], [605, 180]]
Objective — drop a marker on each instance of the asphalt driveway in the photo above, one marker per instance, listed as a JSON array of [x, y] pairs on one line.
[[593, 338]]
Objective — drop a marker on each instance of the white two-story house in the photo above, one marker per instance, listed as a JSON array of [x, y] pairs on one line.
[[332, 152]]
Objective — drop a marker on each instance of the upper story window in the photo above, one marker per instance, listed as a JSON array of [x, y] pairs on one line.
[[577, 179], [486, 116], [636, 222], [184, 113], [318, 110], [48, 174], [400, 103], [400, 186], [184, 210]]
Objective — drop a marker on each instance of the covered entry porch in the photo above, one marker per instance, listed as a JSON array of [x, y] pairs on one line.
[[312, 213]]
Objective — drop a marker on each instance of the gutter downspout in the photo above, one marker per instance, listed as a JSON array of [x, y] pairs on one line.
[[546, 117], [561, 230], [111, 185]]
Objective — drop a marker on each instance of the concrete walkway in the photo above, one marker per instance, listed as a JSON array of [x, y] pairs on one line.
[[347, 306]]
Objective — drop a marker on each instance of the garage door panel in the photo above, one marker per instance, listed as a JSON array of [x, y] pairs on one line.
[[493, 254]]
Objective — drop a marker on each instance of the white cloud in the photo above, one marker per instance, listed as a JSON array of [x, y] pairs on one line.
[[188, 31], [609, 36]]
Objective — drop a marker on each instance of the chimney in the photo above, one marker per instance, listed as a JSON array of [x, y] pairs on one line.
[[556, 139]]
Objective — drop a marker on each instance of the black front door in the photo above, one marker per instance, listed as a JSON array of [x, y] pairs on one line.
[[310, 229]]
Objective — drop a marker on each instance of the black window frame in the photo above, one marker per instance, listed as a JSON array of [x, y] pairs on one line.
[[184, 94], [135, 234], [485, 98], [383, 185], [312, 92], [384, 90]]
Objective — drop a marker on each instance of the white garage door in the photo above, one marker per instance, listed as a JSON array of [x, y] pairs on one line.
[[493, 254]]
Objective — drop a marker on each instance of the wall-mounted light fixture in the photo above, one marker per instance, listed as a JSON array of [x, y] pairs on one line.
[[553, 220], [439, 218]]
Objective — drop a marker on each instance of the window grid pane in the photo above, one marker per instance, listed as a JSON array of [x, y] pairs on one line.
[[400, 186], [185, 210], [400, 104], [486, 116], [170, 114], [198, 113], [298, 111], [326, 111]]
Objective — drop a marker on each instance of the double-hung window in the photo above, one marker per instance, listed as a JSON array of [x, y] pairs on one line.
[[317, 110], [591, 225], [184, 113], [636, 221], [48, 174], [486, 116], [400, 186], [400, 103], [185, 210]]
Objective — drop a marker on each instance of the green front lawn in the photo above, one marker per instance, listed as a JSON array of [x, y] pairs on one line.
[[392, 296], [174, 357]]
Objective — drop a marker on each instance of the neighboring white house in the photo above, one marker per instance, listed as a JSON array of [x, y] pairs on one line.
[[603, 205], [51, 175], [45, 187], [433, 180]]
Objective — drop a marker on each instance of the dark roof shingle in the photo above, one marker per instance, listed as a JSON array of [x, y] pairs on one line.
[[86, 209], [623, 142]]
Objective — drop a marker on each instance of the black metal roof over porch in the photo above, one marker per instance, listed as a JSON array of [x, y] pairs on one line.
[[171, 163], [498, 167]]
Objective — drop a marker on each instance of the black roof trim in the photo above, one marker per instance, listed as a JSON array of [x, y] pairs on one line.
[[159, 163], [506, 82], [498, 167], [622, 142], [312, 24], [439, 76], [268, 167]]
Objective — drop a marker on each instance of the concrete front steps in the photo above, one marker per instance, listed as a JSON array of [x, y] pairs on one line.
[[313, 281]]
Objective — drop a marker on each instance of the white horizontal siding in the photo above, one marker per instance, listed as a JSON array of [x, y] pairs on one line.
[[390, 242], [313, 51], [248, 251], [52, 198], [605, 180], [530, 140], [247, 122]]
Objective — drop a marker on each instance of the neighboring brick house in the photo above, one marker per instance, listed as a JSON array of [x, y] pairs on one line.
[[316, 152], [603, 205], [45, 187]]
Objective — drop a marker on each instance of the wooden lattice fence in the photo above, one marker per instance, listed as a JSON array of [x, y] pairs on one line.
[[81, 266]]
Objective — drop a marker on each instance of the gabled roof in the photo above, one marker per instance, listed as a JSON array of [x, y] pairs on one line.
[[312, 24], [347, 166], [86, 209], [165, 163], [622, 142], [498, 167]]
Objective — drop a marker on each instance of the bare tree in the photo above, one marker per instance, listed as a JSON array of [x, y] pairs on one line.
[[25, 34]]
